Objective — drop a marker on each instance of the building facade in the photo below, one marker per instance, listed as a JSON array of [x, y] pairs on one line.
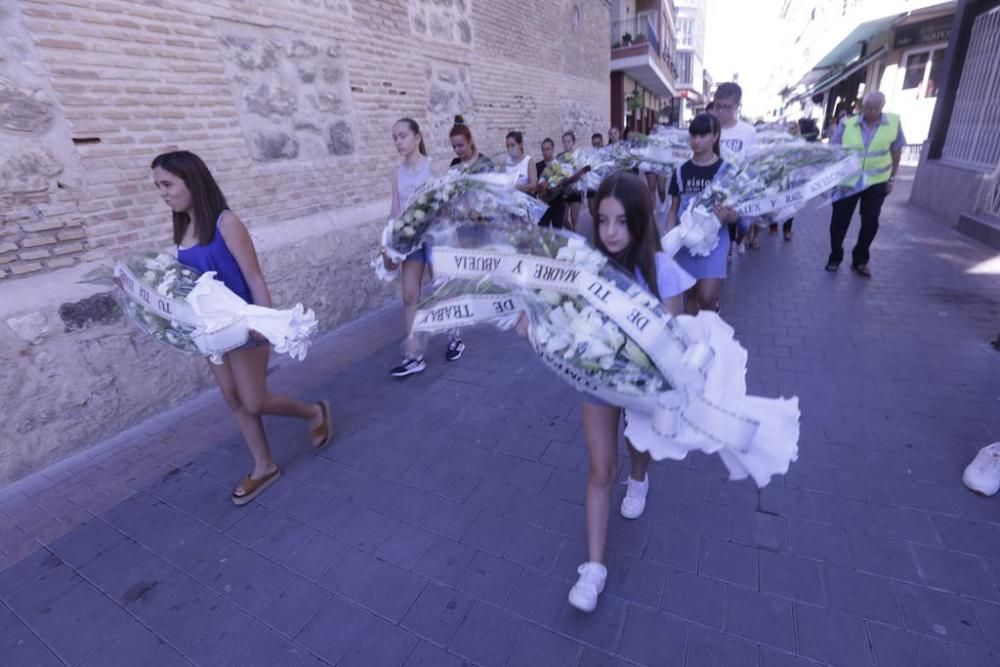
[[958, 177], [692, 86], [836, 53], [291, 103], [643, 63]]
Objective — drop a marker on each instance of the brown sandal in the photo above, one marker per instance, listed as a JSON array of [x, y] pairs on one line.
[[254, 487], [324, 432]]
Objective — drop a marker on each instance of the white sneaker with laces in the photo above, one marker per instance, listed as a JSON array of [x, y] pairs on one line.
[[584, 593], [983, 474], [634, 501]]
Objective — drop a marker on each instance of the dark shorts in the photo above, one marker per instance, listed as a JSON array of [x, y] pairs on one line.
[[421, 254], [574, 198]]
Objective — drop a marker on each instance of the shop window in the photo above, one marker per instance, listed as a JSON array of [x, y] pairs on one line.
[[937, 70], [923, 72], [916, 64]]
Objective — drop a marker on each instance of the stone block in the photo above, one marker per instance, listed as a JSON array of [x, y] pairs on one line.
[[29, 327]]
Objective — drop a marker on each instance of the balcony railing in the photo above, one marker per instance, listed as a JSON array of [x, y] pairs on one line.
[[635, 30]]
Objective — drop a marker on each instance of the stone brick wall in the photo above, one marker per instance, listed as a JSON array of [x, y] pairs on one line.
[[290, 102]]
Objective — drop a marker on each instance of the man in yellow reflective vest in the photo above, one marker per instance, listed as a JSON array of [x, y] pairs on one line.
[[878, 137]]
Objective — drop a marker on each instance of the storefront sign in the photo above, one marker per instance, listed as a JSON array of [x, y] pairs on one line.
[[928, 32]]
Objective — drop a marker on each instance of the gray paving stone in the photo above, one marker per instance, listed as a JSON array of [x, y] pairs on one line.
[[674, 547], [592, 657], [972, 537], [770, 657], [134, 644], [903, 524], [391, 592], [451, 519], [566, 485], [316, 556], [758, 529], [290, 608], [537, 646], [271, 533], [940, 615], [704, 517], [636, 580], [437, 613], [405, 545], [367, 530], [491, 533], [381, 644], [74, 622], [955, 572], [877, 555], [791, 577], [863, 595], [695, 598], [708, 648], [337, 627], [728, 561], [445, 561], [600, 628], [406, 503], [760, 617], [86, 542], [429, 655], [353, 571], [489, 578], [988, 616], [531, 507], [19, 646], [819, 542], [652, 638], [831, 637], [893, 646], [487, 635], [538, 597], [966, 657], [534, 547], [40, 565]]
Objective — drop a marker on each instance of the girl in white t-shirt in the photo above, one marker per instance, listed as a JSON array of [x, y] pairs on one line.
[[519, 163]]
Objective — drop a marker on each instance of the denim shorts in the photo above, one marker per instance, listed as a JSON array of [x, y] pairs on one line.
[[421, 254]]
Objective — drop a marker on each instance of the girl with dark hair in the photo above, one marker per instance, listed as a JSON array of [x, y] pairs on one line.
[[614, 134], [689, 180], [519, 163], [411, 173], [467, 156], [210, 237], [625, 232], [574, 199]]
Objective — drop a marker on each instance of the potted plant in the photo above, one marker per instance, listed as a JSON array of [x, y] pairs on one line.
[[627, 38]]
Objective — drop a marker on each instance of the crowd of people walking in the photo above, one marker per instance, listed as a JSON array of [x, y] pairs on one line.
[[210, 237]]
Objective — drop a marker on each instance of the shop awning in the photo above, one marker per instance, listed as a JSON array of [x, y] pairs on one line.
[[835, 78], [850, 47]]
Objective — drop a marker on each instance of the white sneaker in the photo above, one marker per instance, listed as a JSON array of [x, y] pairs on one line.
[[983, 474], [584, 593], [634, 501]]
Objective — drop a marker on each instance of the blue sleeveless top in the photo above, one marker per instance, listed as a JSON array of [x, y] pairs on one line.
[[215, 256]]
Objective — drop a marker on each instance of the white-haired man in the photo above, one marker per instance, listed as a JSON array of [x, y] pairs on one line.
[[878, 137]]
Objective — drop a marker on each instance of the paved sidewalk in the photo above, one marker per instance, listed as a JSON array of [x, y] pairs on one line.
[[444, 524]]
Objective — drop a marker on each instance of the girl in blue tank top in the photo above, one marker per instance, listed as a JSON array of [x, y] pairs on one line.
[[210, 237]]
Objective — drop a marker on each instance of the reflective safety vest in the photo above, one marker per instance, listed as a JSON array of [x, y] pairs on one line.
[[876, 161]]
